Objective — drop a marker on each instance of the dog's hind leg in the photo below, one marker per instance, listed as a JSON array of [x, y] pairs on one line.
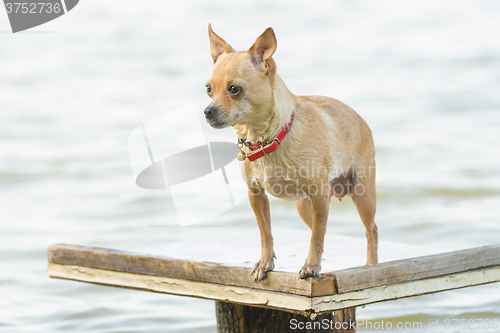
[[364, 197], [304, 207], [260, 205]]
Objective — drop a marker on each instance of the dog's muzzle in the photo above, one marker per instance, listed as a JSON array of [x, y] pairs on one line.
[[215, 118], [210, 113]]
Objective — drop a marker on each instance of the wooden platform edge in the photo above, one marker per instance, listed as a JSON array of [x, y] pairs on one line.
[[275, 300], [412, 269], [330, 283], [161, 266], [218, 292], [406, 289]]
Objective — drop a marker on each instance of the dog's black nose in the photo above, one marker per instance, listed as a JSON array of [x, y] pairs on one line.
[[210, 112]]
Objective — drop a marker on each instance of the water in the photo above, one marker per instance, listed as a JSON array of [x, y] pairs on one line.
[[425, 75]]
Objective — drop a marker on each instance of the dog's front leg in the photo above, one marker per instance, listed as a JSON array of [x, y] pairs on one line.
[[320, 206], [260, 205]]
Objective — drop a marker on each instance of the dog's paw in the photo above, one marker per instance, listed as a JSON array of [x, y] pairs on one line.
[[309, 270], [261, 268]]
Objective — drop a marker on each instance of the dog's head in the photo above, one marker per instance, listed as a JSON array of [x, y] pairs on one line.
[[241, 86]]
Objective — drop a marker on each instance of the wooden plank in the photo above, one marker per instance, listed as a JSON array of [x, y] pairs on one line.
[[406, 289], [213, 291], [154, 265], [364, 277], [275, 300]]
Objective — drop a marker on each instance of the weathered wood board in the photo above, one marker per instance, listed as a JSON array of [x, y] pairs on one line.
[[406, 270], [154, 265], [334, 290]]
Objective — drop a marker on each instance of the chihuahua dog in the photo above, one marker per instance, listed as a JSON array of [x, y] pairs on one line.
[[300, 148]]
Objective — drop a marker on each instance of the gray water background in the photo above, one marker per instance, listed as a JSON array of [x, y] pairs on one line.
[[425, 75]]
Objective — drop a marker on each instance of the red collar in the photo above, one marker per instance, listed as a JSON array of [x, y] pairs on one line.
[[261, 149]]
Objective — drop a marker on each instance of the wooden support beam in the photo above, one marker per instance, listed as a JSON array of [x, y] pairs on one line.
[[238, 318]]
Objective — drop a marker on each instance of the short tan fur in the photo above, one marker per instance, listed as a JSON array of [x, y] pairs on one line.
[[328, 152]]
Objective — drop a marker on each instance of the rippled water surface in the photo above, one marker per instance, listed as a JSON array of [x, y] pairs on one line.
[[425, 75]]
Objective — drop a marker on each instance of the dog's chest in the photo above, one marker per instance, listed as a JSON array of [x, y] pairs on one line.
[[284, 189], [278, 185]]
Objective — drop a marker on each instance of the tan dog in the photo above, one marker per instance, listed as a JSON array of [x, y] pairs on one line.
[[328, 150]]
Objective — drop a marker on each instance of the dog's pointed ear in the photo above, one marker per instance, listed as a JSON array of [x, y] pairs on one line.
[[262, 51], [217, 45]]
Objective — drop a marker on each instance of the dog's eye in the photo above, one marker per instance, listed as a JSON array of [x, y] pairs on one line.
[[209, 90], [234, 90]]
